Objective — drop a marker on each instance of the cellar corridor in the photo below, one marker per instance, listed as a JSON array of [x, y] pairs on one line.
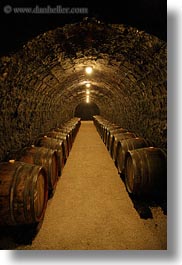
[[91, 208], [64, 75]]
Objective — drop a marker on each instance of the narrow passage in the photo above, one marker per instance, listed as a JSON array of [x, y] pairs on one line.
[[91, 209]]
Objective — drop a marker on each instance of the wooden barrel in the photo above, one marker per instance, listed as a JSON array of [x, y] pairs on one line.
[[146, 171], [105, 127], [102, 127], [100, 122], [61, 136], [68, 131], [77, 124], [74, 123], [110, 135], [54, 144], [96, 119], [107, 130], [74, 128], [124, 146], [70, 128], [23, 193], [98, 126], [44, 157], [116, 138]]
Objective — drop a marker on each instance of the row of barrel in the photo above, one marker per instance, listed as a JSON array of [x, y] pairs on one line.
[[30, 177], [142, 166]]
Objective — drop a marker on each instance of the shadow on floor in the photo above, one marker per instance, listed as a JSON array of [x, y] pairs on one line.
[[11, 237], [142, 205]]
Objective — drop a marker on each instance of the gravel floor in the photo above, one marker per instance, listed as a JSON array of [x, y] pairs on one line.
[[91, 209]]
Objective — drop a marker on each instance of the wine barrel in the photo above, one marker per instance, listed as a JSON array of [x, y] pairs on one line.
[[124, 146], [74, 123], [107, 130], [96, 122], [44, 157], [75, 127], [67, 131], [110, 135], [102, 127], [23, 193], [61, 136], [116, 138], [54, 144], [77, 122], [146, 171], [105, 127], [100, 122], [71, 128]]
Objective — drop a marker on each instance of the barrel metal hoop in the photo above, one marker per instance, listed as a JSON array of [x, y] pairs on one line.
[[34, 177], [26, 195], [36, 158], [117, 148], [148, 173], [138, 177], [49, 161], [11, 197]]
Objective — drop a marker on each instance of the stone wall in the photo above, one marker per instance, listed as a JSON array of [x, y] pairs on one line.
[[41, 84]]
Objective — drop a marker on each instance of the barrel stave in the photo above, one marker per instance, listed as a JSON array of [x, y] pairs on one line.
[[17, 206], [44, 157], [124, 146], [149, 169], [116, 139], [54, 144]]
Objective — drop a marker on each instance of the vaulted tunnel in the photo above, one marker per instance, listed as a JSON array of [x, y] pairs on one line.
[[86, 111], [44, 82]]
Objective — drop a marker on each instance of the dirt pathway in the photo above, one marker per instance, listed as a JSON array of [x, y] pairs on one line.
[[91, 208]]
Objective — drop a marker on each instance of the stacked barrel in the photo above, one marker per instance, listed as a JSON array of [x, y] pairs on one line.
[[30, 177], [143, 166]]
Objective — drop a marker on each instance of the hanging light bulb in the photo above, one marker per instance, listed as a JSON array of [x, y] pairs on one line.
[[87, 92], [87, 99], [88, 85], [88, 70]]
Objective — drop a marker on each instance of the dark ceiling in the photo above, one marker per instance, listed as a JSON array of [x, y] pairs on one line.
[[16, 29]]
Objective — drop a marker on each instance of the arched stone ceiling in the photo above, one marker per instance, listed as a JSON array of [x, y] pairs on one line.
[[42, 84]]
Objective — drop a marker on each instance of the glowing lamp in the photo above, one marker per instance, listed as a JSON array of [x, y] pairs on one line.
[[88, 70], [87, 92], [88, 85], [87, 99]]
